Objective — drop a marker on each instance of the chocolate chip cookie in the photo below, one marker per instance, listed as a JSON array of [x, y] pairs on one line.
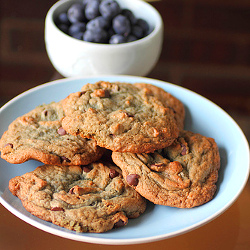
[[168, 100], [120, 117], [182, 175], [39, 135], [91, 198]]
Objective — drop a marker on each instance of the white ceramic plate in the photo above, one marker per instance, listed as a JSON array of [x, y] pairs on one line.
[[158, 222]]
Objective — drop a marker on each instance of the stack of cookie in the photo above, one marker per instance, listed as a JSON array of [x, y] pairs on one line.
[[106, 150]]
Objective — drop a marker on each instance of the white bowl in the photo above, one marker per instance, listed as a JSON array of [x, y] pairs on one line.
[[73, 57]]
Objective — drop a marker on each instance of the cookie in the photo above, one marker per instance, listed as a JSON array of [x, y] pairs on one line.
[[39, 135], [120, 117], [183, 175], [168, 100], [91, 198]]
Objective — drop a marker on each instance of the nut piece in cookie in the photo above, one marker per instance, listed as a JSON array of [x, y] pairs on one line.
[[92, 198], [182, 175], [39, 135], [120, 117]]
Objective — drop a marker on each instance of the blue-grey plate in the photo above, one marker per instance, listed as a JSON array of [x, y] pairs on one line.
[[158, 222]]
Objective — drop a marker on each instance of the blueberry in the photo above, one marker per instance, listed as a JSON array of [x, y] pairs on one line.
[[92, 9], [98, 22], [96, 36], [76, 28], [78, 35], [121, 25], [137, 31], [76, 13], [115, 39], [129, 14], [109, 9], [63, 19], [110, 31], [101, 21], [131, 38], [84, 2], [63, 27], [144, 25]]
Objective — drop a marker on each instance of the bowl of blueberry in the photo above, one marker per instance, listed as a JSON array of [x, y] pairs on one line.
[[90, 37]]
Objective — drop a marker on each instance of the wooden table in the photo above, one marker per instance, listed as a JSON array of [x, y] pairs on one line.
[[231, 230]]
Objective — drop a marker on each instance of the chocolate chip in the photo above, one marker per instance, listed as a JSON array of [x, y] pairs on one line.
[[57, 209], [184, 149], [113, 173], [63, 158], [9, 145], [132, 179], [106, 93], [45, 112], [61, 131], [119, 223], [86, 169]]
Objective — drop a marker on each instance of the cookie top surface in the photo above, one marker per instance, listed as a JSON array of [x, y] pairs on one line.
[[91, 198], [39, 135], [168, 100], [120, 117], [182, 175]]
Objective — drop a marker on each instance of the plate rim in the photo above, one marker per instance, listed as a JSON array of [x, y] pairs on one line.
[[108, 241]]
